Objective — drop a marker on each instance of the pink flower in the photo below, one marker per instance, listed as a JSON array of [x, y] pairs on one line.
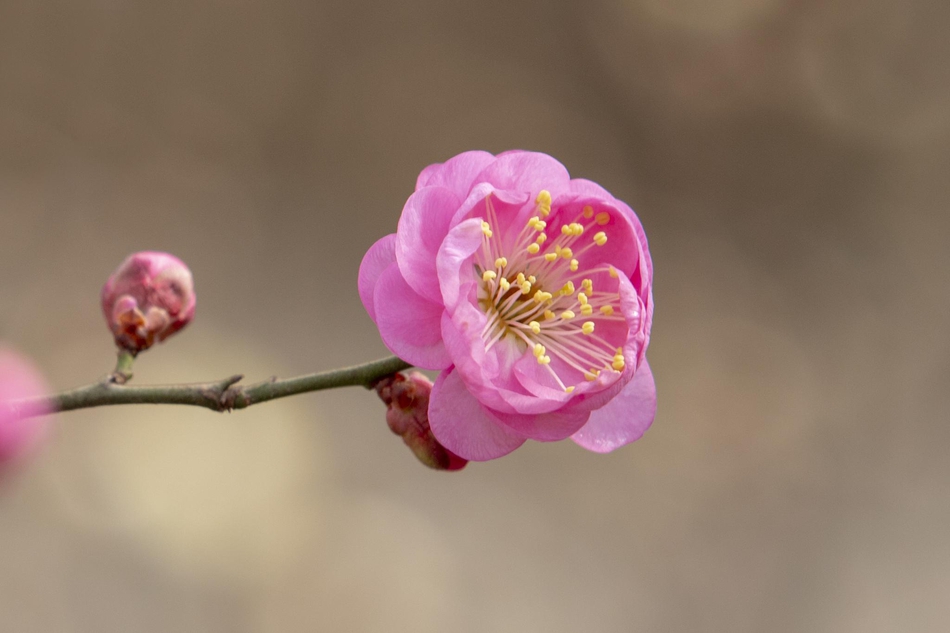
[[148, 298], [19, 380], [407, 399], [531, 292]]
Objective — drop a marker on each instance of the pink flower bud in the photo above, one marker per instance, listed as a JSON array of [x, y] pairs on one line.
[[407, 399], [147, 299], [19, 380]]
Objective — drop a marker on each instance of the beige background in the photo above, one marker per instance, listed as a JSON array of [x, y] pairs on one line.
[[789, 160]]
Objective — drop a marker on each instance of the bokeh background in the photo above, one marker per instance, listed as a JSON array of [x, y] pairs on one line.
[[789, 159]]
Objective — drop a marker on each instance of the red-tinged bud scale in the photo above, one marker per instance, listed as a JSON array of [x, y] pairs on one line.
[[407, 414], [147, 299]]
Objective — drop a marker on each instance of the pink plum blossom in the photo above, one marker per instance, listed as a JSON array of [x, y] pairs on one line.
[[531, 292], [148, 298], [19, 429]]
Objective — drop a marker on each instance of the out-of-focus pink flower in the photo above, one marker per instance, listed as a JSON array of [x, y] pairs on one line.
[[148, 298], [407, 414], [531, 292], [19, 380]]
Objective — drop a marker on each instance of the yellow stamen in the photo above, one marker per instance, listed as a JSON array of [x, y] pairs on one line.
[[501, 262], [577, 229], [533, 249], [592, 375], [567, 315], [600, 238], [574, 265], [588, 285], [567, 253], [505, 284], [587, 309], [613, 272], [588, 327], [520, 278], [545, 360], [568, 289], [526, 288], [569, 389], [535, 327], [488, 275], [550, 256], [538, 350], [607, 310], [532, 278], [582, 298], [542, 238], [548, 315], [567, 230], [486, 229]]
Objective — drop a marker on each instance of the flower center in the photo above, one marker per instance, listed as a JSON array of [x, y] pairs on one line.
[[537, 293]]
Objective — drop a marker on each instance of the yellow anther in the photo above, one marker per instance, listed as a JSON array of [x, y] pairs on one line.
[[535, 327], [588, 327], [569, 389], [505, 284], [526, 288], [568, 314], [567, 230], [592, 375], [501, 262], [618, 363], [588, 285], [600, 238], [544, 198], [541, 225], [532, 223], [587, 309], [520, 278], [486, 229], [488, 275], [541, 239], [532, 278], [582, 298], [567, 253], [550, 256], [545, 360], [577, 229], [602, 218], [613, 272], [568, 289], [533, 249], [538, 350], [548, 315], [541, 297], [574, 265], [588, 212], [607, 310]]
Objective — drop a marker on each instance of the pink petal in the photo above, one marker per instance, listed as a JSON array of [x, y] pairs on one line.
[[589, 188], [377, 259], [422, 228], [409, 324], [526, 172], [452, 262], [625, 418], [463, 425], [456, 174], [19, 379]]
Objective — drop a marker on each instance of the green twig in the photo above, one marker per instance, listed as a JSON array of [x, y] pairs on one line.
[[220, 395]]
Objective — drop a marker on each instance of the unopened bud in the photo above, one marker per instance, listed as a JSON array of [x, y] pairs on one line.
[[147, 299], [407, 414], [19, 429]]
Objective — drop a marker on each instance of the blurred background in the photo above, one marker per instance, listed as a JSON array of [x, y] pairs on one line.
[[789, 160]]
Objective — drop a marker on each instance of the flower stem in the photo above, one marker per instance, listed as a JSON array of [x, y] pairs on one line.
[[220, 395], [123, 367]]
